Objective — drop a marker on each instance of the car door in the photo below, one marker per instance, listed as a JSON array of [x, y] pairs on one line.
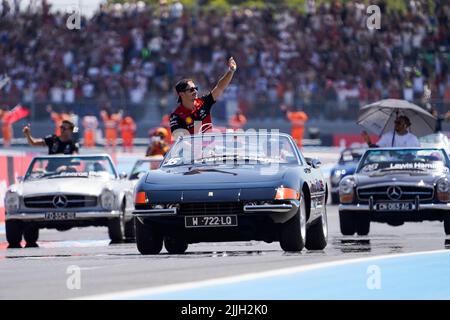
[[317, 186]]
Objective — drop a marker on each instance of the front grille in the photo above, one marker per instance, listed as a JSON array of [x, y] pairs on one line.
[[73, 201], [211, 208], [380, 193]]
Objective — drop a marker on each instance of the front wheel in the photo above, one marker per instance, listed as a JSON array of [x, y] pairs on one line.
[[447, 225], [129, 229], [148, 239], [317, 235], [175, 246], [293, 232], [116, 229], [347, 223], [31, 236], [14, 232], [335, 198], [362, 224]]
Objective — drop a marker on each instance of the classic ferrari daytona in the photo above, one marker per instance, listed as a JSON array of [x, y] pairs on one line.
[[232, 187]]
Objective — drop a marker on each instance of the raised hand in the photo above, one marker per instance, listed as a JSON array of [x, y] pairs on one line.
[[232, 64]]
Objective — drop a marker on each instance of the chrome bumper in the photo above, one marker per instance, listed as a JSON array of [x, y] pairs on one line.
[[29, 216], [275, 208], [155, 212], [422, 207], [278, 208]]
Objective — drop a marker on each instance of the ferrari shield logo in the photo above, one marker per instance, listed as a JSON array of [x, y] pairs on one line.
[[188, 120]]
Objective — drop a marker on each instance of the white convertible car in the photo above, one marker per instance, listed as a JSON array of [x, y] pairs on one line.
[[63, 192]]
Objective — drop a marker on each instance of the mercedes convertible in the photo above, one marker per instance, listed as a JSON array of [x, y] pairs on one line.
[[232, 187], [396, 185], [65, 191]]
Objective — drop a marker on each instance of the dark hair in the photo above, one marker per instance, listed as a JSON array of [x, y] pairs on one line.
[[182, 85], [406, 119], [69, 123]]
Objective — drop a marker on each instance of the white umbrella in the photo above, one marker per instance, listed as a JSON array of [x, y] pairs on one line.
[[379, 117]]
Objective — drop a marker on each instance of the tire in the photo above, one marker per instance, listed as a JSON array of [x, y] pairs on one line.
[[14, 231], [31, 236], [129, 229], [335, 198], [148, 239], [116, 230], [347, 223], [175, 246], [317, 234], [362, 224], [116, 227], [447, 225], [293, 232]]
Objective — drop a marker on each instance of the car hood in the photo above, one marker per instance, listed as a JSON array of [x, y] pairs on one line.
[[93, 186], [207, 175], [408, 177]]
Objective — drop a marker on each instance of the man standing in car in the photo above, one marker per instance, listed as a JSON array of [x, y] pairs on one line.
[[62, 144], [192, 109]]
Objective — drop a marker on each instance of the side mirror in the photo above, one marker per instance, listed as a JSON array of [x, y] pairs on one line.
[[123, 175], [315, 163]]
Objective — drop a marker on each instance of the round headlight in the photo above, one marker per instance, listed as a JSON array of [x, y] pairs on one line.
[[107, 199], [12, 201], [443, 185], [346, 186]]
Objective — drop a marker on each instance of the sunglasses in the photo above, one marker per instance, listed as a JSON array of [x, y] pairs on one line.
[[193, 89]]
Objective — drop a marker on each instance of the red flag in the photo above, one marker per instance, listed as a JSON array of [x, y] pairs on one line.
[[17, 113]]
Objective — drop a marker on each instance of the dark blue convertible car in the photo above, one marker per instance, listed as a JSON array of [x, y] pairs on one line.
[[232, 187]]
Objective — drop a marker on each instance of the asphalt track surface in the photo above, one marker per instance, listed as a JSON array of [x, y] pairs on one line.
[[44, 272]]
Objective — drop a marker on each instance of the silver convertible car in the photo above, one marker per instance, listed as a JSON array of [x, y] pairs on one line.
[[63, 192]]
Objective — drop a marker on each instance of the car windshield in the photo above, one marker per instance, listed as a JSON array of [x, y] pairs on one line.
[[432, 138], [229, 148], [142, 166], [66, 167], [351, 155], [403, 160]]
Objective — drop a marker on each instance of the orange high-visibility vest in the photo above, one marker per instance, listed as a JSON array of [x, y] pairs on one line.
[[298, 120]]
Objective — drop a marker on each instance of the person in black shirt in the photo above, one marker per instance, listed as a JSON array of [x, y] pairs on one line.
[[63, 144]]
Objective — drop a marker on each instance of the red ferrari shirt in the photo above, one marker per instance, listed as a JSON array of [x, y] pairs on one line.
[[183, 118]]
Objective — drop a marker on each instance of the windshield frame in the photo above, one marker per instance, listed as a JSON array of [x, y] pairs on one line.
[[300, 160], [140, 162], [446, 159], [81, 157]]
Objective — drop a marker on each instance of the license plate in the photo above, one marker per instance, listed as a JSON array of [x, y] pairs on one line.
[[210, 221], [60, 216], [395, 206]]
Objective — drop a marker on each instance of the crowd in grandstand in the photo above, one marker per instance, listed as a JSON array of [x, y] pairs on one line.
[[322, 58]]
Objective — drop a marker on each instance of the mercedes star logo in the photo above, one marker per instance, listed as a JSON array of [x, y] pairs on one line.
[[394, 193], [60, 201]]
